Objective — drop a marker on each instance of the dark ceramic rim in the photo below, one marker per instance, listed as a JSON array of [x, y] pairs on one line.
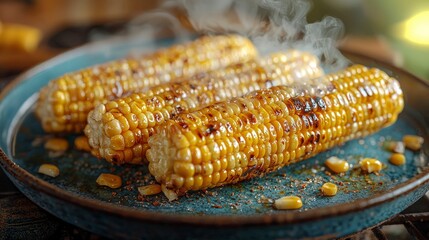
[[281, 217]]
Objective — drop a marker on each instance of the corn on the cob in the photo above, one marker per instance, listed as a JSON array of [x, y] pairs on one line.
[[65, 102], [249, 136], [118, 130]]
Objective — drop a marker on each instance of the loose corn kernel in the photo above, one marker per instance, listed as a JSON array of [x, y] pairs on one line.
[[394, 146], [370, 165], [337, 165], [397, 159], [288, 203], [329, 189], [413, 142], [149, 189], [49, 170], [109, 180], [81, 143], [57, 144], [170, 194]]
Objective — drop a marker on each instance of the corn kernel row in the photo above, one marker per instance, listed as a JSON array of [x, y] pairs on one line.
[[265, 130], [64, 103], [118, 130]]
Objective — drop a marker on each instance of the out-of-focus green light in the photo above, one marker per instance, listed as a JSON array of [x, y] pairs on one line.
[[415, 29]]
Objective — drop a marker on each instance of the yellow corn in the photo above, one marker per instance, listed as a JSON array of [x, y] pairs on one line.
[[337, 165], [118, 130], [267, 129], [64, 103], [413, 142], [149, 189], [109, 180], [288, 203], [329, 189], [49, 170], [19, 37], [397, 159], [81, 143], [57, 144], [371, 165], [170, 194], [396, 147]]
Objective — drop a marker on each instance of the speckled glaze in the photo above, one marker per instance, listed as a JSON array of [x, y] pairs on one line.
[[242, 211]]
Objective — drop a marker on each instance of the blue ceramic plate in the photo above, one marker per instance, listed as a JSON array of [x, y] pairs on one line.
[[241, 211]]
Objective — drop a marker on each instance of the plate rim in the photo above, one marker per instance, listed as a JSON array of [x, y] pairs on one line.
[[140, 214]]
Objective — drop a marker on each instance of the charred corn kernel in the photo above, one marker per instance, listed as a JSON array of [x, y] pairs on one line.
[[397, 159], [173, 99], [19, 37], [288, 203], [238, 161], [49, 170], [57, 144], [370, 165], [394, 146], [329, 189], [75, 94], [109, 180], [337, 165], [413, 142], [81, 143], [149, 189]]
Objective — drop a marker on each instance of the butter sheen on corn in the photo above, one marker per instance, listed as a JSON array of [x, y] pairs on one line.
[[64, 103], [118, 130], [267, 129]]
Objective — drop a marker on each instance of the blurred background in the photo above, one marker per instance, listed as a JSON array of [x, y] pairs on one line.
[[389, 30], [392, 30]]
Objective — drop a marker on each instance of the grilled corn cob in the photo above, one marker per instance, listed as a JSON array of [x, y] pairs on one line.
[[65, 102], [118, 130], [265, 130]]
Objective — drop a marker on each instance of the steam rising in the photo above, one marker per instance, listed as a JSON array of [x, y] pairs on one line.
[[273, 25]]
